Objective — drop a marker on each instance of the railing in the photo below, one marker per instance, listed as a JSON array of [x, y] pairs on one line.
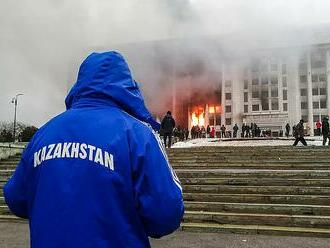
[[11, 149]]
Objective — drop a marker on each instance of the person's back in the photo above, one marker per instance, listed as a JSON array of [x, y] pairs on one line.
[[168, 123], [96, 176], [325, 126]]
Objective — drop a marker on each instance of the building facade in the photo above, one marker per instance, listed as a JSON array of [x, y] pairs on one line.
[[272, 89]]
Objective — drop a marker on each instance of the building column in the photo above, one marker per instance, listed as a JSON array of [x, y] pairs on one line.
[[310, 94], [280, 86], [237, 96], [223, 94], [328, 82], [294, 98]]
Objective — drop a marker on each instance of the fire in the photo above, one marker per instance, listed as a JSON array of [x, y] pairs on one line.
[[197, 118]]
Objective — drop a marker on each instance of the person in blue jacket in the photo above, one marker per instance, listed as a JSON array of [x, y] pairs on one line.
[[97, 175]]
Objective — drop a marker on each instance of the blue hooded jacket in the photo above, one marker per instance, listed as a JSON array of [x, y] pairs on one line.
[[97, 175]]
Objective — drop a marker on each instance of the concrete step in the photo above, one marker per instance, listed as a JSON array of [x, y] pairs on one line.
[[269, 166], [4, 210], [256, 229], [5, 173], [270, 190], [257, 219], [11, 218], [256, 181], [259, 198], [264, 208], [253, 173]]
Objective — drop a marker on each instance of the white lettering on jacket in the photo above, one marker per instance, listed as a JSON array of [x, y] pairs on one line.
[[75, 151]]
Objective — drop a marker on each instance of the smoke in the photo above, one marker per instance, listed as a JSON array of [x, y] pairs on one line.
[[43, 42]]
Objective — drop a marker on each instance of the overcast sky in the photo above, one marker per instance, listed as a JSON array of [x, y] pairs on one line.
[[42, 42]]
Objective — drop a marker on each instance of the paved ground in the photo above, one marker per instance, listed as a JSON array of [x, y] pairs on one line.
[[15, 235]]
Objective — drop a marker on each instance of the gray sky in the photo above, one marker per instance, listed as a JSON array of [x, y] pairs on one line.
[[43, 41]]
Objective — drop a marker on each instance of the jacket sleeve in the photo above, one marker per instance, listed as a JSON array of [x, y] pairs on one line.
[[15, 191], [158, 193]]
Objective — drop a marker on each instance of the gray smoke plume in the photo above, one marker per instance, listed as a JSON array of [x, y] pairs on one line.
[[43, 42]]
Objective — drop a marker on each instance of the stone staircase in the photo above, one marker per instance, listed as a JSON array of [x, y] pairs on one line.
[[255, 190]]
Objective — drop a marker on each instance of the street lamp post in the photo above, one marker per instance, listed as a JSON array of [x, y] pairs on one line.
[[14, 100]]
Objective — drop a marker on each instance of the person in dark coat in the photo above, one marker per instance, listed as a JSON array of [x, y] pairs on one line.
[[208, 131], [168, 125], [325, 130], [223, 131], [287, 130], [299, 133], [235, 129], [243, 130]]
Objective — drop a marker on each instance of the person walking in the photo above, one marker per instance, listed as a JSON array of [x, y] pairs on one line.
[[235, 129], [97, 174], [299, 133], [168, 124], [325, 130], [318, 127], [287, 130], [243, 130]]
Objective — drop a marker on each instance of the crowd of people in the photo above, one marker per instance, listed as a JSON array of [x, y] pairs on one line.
[[247, 131]]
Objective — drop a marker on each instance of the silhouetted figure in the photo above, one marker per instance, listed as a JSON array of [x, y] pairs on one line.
[[168, 125], [287, 130], [299, 133], [325, 130], [235, 129], [243, 130], [223, 131], [208, 131], [212, 132]]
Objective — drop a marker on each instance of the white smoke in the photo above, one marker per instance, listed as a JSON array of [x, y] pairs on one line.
[[43, 41]]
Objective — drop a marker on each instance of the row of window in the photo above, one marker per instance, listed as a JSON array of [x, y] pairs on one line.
[[315, 92], [217, 120], [316, 105], [264, 81], [264, 68], [315, 78], [265, 107]]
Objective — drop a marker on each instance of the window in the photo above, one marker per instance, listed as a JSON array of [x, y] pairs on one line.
[[246, 97], [264, 94], [303, 92], [255, 94], [318, 64], [305, 118], [264, 81], [284, 83], [316, 105], [274, 80], [218, 120], [211, 120], [228, 121], [255, 107], [303, 105], [273, 67], [315, 91], [246, 84], [285, 95], [265, 105], [285, 107], [322, 78], [228, 83], [303, 79], [314, 78], [323, 104], [246, 108], [274, 92], [283, 68], [323, 91], [228, 109], [228, 96], [255, 81], [274, 104]]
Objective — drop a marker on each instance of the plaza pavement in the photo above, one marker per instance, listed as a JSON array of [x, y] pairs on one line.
[[16, 235]]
